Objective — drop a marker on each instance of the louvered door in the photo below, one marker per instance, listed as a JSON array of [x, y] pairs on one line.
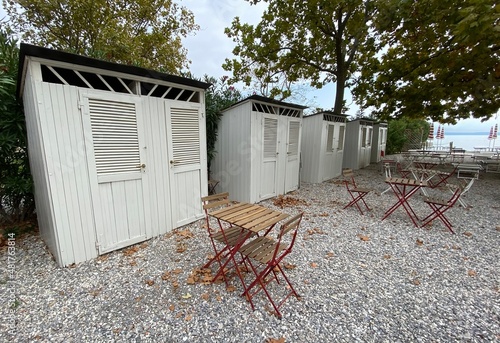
[[269, 167], [292, 155], [114, 145], [328, 160], [185, 132]]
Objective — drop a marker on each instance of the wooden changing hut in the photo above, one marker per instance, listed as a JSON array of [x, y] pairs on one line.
[[117, 152], [258, 149]]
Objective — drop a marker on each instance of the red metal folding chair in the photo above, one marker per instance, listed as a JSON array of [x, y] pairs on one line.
[[226, 237], [439, 206], [267, 254], [357, 193]]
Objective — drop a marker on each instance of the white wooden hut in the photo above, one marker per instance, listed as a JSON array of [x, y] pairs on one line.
[[117, 152], [358, 143], [322, 147], [379, 142], [258, 149]]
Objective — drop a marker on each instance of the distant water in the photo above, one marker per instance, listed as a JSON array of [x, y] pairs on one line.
[[467, 141]]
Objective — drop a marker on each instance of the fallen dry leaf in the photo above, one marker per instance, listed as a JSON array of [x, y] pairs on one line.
[[231, 288], [205, 296], [188, 317], [177, 271], [420, 242], [166, 276], [180, 248], [171, 307], [416, 282], [190, 281], [289, 266], [149, 282], [387, 256], [276, 340], [330, 254], [288, 201], [471, 272], [187, 296], [467, 233], [130, 251], [314, 265], [364, 238], [175, 284]]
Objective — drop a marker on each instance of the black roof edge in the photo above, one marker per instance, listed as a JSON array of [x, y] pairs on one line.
[[325, 112], [61, 56], [366, 119], [268, 100]]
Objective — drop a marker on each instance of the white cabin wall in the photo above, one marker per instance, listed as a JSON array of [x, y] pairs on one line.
[[352, 145], [68, 173], [38, 164], [158, 215], [312, 141], [235, 150]]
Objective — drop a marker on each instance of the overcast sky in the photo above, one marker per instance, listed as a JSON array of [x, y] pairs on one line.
[[210, 46]]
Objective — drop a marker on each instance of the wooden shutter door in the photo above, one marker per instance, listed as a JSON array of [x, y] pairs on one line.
[[116, 167], [185, 131], [292, 166], [269, 170]]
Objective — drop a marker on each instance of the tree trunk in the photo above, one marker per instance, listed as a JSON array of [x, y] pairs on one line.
[[339, 93]]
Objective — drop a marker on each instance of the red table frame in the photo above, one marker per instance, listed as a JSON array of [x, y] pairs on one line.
[[404, 189], [250, 217]]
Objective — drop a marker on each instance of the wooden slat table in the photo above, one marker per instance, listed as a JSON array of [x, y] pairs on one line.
[[252, 218], [404, 189]]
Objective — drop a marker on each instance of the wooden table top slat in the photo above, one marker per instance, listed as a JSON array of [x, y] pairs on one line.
[[250, 216], [230, 209], [269, 222], [250, 222]]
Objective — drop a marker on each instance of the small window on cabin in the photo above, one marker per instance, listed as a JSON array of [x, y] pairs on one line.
[[369, 142], [329, 138], [363, 137], [340, 144]]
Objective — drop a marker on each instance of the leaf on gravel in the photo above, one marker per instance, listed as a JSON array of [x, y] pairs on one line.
[[149, 282], [205, 296], [330, 255], [467, 233], [181, 247], [288, 201], [231, 288], [175, 284], [187, 296], [189, 317], [314, 265], [219, 298], [416, 282], [471, 272], [420, 242], [276, 340], [130, 251], [364, 238], [190, 281], [387, 256], [177, 271], [165, 276], [184, 233], [498, 228], [289, 266], [171, 307]]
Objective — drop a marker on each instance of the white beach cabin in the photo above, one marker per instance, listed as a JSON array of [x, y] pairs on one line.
[[117, 152], [379, 142], [322, 147], [258, 149], [358, 143]]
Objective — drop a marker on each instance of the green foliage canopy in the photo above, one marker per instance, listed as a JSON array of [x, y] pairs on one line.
[[439, 59], [16, 186], [146, 33], [316, 40]]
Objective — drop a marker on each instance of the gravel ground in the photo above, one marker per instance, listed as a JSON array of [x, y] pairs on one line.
[[360, 280]]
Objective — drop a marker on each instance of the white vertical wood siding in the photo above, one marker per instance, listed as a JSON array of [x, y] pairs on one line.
[[236, 150], [65, 186], [379, 142], [321, 157], [251, 162]]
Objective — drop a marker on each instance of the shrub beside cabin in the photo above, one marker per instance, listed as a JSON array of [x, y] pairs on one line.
[[117, 152]]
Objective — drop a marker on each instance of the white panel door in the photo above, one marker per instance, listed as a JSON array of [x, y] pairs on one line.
[[292, 166], [184, 135], [269, 167], [115, 155], [329, 153], [339, 149]]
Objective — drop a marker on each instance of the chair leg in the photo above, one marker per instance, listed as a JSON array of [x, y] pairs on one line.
[[438, 213]]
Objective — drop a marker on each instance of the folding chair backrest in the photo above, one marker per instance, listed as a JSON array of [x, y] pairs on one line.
[[214, 201], [349, 174], [468, 186], [455, 196], [289, 227]]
